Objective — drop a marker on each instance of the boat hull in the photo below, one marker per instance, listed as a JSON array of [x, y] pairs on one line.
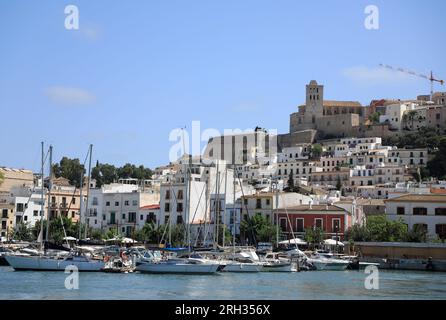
[[178, 268], [242, 267], [22, 263], [278, 267], [329, 266]]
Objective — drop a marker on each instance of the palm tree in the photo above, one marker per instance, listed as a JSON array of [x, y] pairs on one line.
[[411, 115]]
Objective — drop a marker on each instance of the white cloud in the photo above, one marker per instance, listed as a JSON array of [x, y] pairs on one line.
[[92, 33], [375, 75], [69, 96]]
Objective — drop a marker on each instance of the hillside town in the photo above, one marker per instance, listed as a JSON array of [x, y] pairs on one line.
[[332, 171]]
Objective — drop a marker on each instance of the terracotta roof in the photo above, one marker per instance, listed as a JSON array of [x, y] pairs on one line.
[[334, 103], [150, 207], [318, 207], [419, 198]]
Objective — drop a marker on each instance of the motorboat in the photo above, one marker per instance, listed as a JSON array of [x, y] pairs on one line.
[[327, 261], [273, 263], [46, 263]]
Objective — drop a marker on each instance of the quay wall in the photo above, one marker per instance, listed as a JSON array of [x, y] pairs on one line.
[[398, 250]]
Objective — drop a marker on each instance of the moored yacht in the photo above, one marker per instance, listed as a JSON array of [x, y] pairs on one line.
[[326, 261], [43, 263]]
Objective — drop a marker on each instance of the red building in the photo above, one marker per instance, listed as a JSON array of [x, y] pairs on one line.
[[333, 220]]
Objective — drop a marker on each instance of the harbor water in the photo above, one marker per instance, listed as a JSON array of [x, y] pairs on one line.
[[268, 286]]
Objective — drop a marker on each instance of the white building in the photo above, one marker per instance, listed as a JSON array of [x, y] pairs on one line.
[[116, 206], [426, 210]]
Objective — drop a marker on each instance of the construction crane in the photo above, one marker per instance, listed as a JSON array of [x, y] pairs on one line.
[[430, 78]]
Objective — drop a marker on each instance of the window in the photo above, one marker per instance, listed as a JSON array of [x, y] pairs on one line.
[[336, 225], [180, 195], [440, 211], [283, 224], [141, 217], [95, 201], [167, 207], [166, 219], [123, 216], [104, 217], [245, 201], [73, 200], [180, 207], [440, 230], [112, 217], [73, 214], [134, 202], [179, 219], [5, 213], [318, 223], [116, 203], [259, 204], [400, 211], [151, 217], [35, 213], [420, 211], [107, 204], [299, 225], [268, 202], [20, 207], [167, 194], [126, 202], [132, 216]]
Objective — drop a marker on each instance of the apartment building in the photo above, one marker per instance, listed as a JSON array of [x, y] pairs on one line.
[[331, 219], [425, 210], [117, 206]]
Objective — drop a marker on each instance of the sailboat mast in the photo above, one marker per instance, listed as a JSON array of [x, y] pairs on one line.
[[224, 211], [50, 186], [81, 203], [233, 209], [88, 186], [42, 199]]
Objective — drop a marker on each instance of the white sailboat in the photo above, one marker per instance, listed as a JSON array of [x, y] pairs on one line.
[[154, 263], [42, 262]]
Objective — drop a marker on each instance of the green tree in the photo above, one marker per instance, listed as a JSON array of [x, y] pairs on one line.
[[380, 229], [70, 169], [339, 184], [316, 151], [290, 182], [437, 166], [22, 232], [314, 236], [258, 229], [104, 174], [374, 117]]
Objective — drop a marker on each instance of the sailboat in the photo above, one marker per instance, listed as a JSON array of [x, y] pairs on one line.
[[43, 262], [155, 263]]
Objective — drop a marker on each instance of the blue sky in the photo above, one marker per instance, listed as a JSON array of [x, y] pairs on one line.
[[135, 70]]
